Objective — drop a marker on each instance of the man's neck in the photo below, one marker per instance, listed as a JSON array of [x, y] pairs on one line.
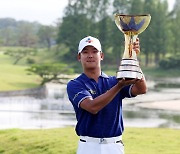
[[93, 74]]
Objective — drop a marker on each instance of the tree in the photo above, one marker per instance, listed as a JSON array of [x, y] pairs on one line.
[[73, 28], [161, 30], [176, 33], [7, 35], [117, 43], [104, 29], [148, 40], [47, 35], [49, 72], [175, 21], [26, 37], [176, 6], [19, 33], [8, 31], [136, 7], [20, 54], [121, 6], [103, 23], [83, 18]]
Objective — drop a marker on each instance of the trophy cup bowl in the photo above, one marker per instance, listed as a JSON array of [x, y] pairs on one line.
[[131, 26]]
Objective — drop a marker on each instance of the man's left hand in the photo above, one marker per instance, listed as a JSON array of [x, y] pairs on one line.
[[136, 46]]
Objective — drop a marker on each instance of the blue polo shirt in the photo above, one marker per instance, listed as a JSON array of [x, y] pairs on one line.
[[108, 122]]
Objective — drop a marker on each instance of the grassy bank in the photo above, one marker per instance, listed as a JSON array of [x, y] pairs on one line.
[[64, 141], [15, 77]]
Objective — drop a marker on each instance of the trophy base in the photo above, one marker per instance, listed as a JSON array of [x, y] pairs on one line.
[[129, 69]]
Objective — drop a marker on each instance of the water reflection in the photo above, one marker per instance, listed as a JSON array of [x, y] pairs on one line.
[[140, 117], [31, 116], [26, 120], [172, 119], [56, 111]]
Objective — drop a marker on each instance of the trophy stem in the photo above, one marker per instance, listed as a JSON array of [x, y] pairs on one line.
[[128, 51]]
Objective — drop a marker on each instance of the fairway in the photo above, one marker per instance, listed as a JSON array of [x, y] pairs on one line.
[[64, 141]]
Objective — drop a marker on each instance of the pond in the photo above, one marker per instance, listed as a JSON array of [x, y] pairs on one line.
[[32, 113]]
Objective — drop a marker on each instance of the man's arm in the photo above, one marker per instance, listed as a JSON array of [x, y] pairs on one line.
[[139, 87], [95, 105]]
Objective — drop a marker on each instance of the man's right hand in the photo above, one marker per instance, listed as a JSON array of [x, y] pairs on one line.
[[123, 82]]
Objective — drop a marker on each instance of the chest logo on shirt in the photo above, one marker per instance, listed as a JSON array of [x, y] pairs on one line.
[[93, 92]]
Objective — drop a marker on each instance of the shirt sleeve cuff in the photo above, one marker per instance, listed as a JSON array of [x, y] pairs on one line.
[[130, 89], [83, 99]]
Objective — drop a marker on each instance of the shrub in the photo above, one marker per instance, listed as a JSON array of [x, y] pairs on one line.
[[30, 61], [172, 62]]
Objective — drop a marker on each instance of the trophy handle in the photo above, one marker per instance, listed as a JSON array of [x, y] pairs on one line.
[[129, 52]]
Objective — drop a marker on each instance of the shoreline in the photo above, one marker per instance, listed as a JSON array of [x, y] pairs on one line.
[[165, 99], [169, 105]]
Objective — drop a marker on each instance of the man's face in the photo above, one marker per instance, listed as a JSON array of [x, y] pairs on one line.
[[90, 57]]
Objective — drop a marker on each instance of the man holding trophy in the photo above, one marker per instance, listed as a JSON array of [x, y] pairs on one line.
[[97, 98]]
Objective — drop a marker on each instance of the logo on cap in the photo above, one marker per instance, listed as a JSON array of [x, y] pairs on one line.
[[89, 40]]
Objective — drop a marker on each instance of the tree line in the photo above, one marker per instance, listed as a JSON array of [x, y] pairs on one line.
[[26, 34], [92, 17]]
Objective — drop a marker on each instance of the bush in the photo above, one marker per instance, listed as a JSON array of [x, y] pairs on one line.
[[172, 62], [49, 72], [30, 61]]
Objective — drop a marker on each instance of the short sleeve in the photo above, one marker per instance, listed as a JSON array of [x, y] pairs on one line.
[[77, 92], [126, 92]]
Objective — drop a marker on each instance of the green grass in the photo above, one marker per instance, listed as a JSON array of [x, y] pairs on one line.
[[52, 141], [64, 141], [15, 77], [152, 141]]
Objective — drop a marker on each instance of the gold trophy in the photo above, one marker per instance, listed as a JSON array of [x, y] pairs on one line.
[[131, 26]]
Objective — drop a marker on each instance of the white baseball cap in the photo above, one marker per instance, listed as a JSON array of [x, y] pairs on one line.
[[89, 40]]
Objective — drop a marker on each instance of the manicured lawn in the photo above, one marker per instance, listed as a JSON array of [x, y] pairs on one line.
[[15, 77], [64, 141], [152, 141]]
